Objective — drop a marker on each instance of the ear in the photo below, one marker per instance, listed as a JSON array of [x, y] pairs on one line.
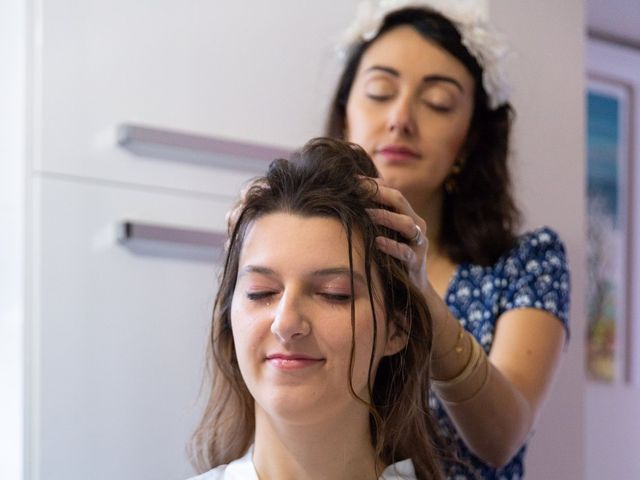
[[396, 337]]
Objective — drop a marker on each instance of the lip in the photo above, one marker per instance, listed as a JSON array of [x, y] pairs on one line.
[[292, 361], [395, 153]]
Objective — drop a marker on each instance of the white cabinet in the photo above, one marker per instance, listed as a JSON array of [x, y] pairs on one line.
[[121, 333], [118, 330], [116, 333], [166, 63]]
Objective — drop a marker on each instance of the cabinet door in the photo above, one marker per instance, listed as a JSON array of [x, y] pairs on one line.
[[246, 71], [118, 333]]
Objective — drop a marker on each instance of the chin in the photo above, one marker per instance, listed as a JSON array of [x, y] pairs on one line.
[[299, 409], [297, 413], [401, 182]]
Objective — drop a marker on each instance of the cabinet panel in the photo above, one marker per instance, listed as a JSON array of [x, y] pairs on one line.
[[118, 332], [232, 70]]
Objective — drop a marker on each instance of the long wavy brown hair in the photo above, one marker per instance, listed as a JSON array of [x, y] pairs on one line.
[[479, 218], [325, 180]]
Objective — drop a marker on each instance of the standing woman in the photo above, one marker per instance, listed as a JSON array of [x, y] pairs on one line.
[[423, 93]]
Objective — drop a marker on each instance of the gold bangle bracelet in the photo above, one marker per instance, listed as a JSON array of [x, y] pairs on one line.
[[458, 347], [448, 390], [454, 403]]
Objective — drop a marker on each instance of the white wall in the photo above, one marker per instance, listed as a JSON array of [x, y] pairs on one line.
[[548, 79], [12, 195]]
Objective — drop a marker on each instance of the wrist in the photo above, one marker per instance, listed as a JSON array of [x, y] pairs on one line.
[[469, 381]]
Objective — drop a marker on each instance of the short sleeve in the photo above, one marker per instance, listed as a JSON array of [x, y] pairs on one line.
[[537, 275]]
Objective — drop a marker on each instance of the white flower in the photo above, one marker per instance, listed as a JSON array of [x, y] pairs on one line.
[[544, 237], [554, 260], [533, 266], [481, 40], [487, 287], [522, 300], [551, 305], [464, 292]]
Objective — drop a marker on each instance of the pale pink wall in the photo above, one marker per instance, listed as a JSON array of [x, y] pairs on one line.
[[612, 432], [548, 78]]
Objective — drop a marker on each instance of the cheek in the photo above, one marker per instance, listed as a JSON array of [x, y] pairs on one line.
[[458, 131], [458, 137], [244, 330], [364, 343], [236, 316], [358, 124], [446, 139]]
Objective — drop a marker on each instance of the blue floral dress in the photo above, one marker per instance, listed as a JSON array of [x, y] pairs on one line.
[[534, 274]]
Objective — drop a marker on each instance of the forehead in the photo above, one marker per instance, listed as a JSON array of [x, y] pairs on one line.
[[298, 242], [407, 51]]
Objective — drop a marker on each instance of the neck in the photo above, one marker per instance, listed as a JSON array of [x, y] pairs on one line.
[[440, 268], [430, 210], [336, 449]]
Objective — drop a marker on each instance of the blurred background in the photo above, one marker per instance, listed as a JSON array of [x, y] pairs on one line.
[[126, 131]]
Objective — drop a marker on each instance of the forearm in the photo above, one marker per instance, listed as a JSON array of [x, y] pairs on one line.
[[498, 400], [490, 413], [495, 422]]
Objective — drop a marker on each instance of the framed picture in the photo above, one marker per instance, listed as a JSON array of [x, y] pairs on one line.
[[612, 241]]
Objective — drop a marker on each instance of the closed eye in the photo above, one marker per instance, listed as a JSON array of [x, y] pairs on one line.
[[438, 107], [378, 98], [255, 296], [337, 297]]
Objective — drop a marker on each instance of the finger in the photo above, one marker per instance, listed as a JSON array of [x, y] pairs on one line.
[[401, 251], [392, 197], [389, 196], [403, 224]]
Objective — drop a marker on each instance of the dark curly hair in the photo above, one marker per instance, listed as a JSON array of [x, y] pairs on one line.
[[479, 218], [323, 180]]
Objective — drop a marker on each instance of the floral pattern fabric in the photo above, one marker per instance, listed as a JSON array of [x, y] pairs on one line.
[[534, 274]]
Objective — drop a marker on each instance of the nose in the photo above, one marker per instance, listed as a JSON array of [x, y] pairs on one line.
[[289, 321], [401, 117]]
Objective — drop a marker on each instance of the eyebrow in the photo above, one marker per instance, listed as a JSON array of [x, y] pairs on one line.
[[425, 79], [324, 272]]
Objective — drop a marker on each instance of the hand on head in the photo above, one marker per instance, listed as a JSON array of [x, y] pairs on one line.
[[400, 217]]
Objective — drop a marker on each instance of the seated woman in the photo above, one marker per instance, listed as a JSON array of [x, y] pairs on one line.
[[320, 343]]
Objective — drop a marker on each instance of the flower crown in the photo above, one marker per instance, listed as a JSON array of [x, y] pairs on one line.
[[482, 41]]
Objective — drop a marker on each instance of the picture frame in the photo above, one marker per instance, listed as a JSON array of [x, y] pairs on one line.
[[613, 329]]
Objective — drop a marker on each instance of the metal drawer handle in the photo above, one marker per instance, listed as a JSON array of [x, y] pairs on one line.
[[171, 242], [186, 147], [136, 231]]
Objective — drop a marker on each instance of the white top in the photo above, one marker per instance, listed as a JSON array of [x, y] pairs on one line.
[[243, 469]]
